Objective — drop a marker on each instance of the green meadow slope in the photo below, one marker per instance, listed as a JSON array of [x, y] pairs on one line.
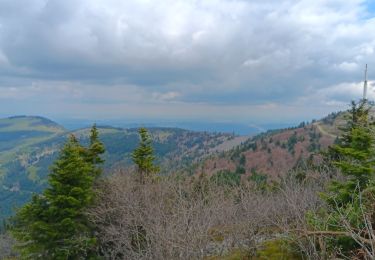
[[17, 133]]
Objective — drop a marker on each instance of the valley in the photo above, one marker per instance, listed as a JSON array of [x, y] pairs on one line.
[[29, 145]]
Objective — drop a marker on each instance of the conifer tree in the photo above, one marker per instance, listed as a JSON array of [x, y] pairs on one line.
[[54, 225], [95, 150], [143, 156], [353, 155]]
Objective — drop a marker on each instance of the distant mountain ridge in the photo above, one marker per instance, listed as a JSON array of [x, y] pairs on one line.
[[199, 126], [38, 120], [29, 145]]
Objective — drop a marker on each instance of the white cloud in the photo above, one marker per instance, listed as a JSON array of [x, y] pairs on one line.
[[337, 97], [347, 66]]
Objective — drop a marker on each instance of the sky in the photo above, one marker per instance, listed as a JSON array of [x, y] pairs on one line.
[[236, 61]]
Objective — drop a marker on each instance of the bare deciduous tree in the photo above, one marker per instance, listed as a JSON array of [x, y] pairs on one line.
[[184, 219]]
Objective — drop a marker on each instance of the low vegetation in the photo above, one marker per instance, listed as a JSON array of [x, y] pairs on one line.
[[184, 218]]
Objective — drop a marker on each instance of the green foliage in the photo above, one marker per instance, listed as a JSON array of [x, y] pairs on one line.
[[95, 150], [235, 254], [353, 155], [240, 170], [138, 239], [259, 179], [143, 156], [292, 140], [313, 146], [226, 178], [277, 249], [242, 160], [54, 225]]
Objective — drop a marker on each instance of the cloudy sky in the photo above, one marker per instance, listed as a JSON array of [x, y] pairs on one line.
[[246, 61]]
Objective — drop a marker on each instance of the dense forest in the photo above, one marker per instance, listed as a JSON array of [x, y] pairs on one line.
[[324, 210]]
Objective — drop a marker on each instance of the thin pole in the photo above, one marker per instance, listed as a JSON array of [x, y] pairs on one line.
[[365, 86]]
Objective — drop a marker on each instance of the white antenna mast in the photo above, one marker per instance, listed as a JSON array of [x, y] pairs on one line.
[[365, 86]]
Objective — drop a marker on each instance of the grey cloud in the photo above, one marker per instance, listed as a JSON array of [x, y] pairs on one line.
[[216, 52]]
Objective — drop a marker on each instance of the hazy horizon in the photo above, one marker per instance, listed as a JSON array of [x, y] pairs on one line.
[[209, 126]]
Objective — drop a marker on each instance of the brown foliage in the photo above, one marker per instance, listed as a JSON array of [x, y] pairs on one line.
[[194, 218]]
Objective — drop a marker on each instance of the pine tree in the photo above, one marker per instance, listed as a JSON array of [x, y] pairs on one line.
[[95, 150], [354, 156], [54, 225], [143, 156]]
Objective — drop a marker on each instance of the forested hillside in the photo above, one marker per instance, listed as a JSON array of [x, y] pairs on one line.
[[274, 153], [28, 146]]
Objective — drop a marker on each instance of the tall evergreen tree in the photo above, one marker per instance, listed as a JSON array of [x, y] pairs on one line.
[[54, 225], [143, 156], [95, 151], [353, 155]]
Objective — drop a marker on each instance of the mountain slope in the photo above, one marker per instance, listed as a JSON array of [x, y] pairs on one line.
[[17, 136], [276, 152], [31, 144], [22, 131]]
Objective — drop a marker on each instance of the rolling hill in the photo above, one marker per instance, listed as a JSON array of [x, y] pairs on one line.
[[20, 132], [29, 145]]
